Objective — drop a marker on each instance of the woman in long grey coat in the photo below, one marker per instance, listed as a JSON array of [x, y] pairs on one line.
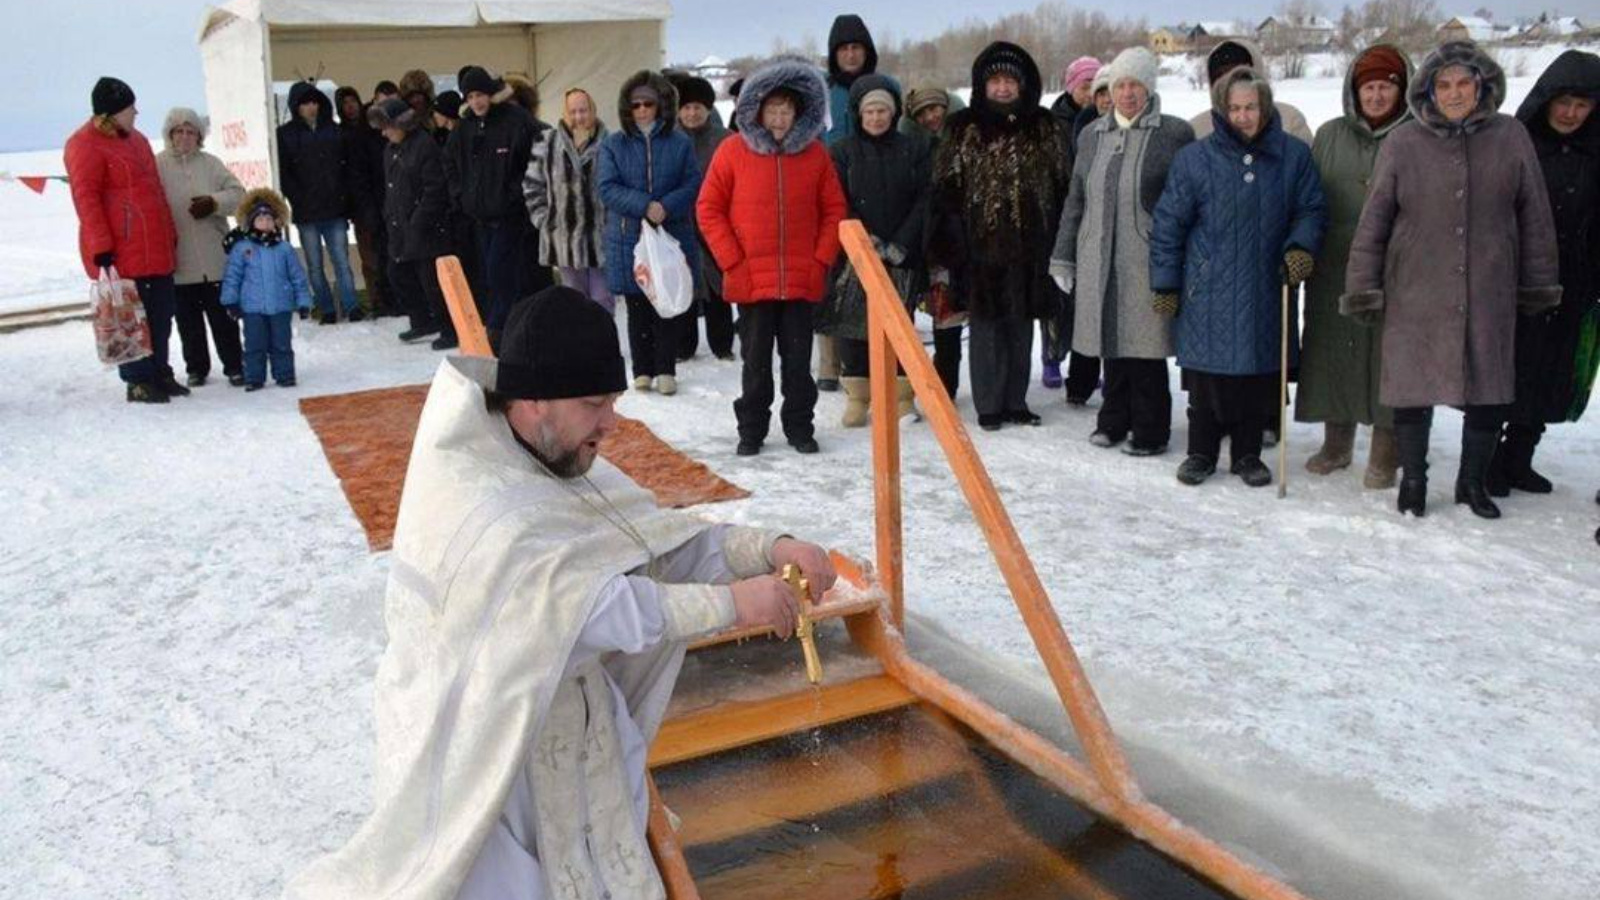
[[1339, 362], [563, 196], [1456, 239], [1103, 251]]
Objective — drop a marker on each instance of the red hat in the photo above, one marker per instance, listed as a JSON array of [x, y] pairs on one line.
[[1381, 63]]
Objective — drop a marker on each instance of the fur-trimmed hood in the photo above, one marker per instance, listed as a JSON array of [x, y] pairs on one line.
[[183, 115], [1352, 99], [794, 74], [258, 196], [1491, 93], [666, 112]]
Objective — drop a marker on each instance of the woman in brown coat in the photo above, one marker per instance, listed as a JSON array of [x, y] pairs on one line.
[[1455, 240]]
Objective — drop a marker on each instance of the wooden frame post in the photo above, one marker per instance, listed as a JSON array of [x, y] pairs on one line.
[[886, 456]]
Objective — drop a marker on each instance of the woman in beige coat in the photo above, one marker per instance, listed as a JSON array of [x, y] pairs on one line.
[[200, 190]]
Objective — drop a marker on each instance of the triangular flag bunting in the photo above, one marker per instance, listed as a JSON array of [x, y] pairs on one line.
[[34, 183]]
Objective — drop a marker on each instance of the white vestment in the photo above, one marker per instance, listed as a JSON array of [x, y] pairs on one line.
[[531, 656]]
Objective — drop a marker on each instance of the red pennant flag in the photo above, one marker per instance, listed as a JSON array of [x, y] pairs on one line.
[[34, 183]]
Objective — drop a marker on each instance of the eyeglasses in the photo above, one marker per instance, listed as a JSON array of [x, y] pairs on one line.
[[642, 104]]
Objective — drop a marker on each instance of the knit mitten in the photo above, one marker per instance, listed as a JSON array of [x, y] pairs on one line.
[[1165, 303], [1297, 266]]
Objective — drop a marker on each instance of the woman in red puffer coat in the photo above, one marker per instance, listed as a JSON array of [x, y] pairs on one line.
[[124, 221], [769, 209]]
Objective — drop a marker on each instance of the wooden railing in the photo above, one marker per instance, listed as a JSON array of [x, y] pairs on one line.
[[1109, 785]]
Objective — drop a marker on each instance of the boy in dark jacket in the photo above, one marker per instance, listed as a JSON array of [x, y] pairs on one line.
[[313, 170]]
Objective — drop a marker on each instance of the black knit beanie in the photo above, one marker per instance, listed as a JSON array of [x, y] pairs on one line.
[[110, 96], [558, 344], [448, 104], [1227, 57], [477, 78], [693, 89]]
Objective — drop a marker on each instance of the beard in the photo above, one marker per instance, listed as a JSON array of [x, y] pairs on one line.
[[563, 462]]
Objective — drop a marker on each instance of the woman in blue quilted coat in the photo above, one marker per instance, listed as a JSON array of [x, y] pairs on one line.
[[1242, 213]]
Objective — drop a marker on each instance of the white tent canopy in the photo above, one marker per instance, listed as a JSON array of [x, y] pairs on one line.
[[247, 45]]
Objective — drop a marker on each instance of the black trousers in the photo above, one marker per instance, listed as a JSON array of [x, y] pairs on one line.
[[1002, 360], [653, 341], [372, 244], [784, 325], [719, 327], [1231, 406], [415, 283], [1478, 418], [947, 358], [1137, 399], [199, 305]]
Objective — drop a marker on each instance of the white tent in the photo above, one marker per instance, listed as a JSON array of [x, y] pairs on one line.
[[247, 45]]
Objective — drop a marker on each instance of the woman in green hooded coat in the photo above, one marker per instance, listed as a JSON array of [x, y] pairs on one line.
[[1340, 358]]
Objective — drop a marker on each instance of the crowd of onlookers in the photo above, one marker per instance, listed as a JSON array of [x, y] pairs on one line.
[[1449, 253]]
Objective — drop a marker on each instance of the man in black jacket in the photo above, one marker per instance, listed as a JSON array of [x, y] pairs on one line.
[[312, 171], [414, 211], [484, 161], [363, 152]]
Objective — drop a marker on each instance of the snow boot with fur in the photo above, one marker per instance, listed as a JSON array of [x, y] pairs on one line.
[[1338, 439], [858, 402]]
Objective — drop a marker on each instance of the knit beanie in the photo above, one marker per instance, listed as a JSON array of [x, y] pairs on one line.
[[448, 104], [477, 78], [922, 98], [1381, 63], [878, 97], [1136, 63], [110, 96], [1080, 71], [1227, 55], [644, 92], [559, 344]]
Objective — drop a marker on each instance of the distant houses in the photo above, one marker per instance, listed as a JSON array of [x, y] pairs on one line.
[[1309, 34]]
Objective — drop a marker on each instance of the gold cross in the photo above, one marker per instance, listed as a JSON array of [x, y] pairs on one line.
[[805, 628]]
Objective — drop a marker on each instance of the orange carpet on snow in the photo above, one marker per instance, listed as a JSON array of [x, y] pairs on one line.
[[367, 438]]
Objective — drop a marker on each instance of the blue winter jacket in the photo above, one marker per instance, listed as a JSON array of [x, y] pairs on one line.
[[265, 279], [1229, 213], [634, 169]]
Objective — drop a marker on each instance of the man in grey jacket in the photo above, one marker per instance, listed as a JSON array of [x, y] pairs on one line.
[[200, 190]]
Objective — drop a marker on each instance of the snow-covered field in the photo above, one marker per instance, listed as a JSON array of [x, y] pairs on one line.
[[190, 619]]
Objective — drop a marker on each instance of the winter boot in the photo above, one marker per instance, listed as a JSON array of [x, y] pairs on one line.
[[1411, 442], [1196, 469], [666, 385], [1516, 460], [1252, 471], [1382, 460], [1494, 481], [1477, 451], [906, 400], [1337, 441], [858, 402], [1052, 375], [146, 392]]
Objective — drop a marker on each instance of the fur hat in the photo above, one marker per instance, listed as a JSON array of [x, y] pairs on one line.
[[1136, 63], [559, 344], [922, 98], [1080, 71], [110, 96], [1101, 82], [416, 81], [262, 198], [183, 115], [694, 89], [522, 92], [1004, 58], [1225, 57], [393, 112]]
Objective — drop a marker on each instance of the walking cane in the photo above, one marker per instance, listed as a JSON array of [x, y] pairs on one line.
[[1283, 398]]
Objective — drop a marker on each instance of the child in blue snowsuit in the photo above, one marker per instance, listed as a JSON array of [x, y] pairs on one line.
[[264, 284]]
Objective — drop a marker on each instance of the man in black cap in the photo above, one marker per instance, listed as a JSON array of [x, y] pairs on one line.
[[538, 607]]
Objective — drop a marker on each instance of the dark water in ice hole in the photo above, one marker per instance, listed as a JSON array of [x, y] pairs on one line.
[[920, 807]]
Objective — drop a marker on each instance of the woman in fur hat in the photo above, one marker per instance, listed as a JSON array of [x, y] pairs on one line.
[[1455, 241], [1000, 178], [1102, 254]]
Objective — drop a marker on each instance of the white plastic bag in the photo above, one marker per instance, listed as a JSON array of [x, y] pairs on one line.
[[121, 333], [662, 271]]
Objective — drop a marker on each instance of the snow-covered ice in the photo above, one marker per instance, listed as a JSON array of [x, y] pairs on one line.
[[191, 619]]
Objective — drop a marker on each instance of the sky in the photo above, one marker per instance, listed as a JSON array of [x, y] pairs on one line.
[[58, 50]]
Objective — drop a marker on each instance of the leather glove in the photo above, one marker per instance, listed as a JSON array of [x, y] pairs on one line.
[[202, 206], [1165, 303], [304, 314], [104, 260], [1297, 266]]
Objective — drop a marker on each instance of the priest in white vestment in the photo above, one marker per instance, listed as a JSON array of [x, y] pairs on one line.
[[538, 608]]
